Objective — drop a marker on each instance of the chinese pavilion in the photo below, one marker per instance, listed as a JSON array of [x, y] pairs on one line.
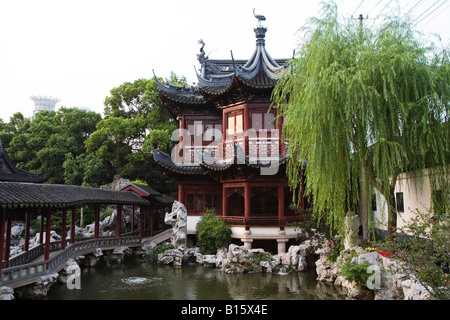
[[230, 155]]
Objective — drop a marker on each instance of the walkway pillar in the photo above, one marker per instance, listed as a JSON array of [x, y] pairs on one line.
[[72, 224], [8, 236], [2, 236], [141, 221], [28, 217], [47, 234], [97, 221], [41, 225], [152, 222], [64, 229], [119, 220], [132, 218]]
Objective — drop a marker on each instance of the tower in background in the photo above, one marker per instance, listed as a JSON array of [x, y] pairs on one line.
[[43, 103]]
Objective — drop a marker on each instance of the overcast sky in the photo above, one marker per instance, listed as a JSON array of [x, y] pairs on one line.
[[77, 51]]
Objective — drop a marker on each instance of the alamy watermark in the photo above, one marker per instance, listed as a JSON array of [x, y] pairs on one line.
[[74, 278], [204, 143], [374, 281]]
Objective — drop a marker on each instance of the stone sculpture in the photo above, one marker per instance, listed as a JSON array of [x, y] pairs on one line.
[[178, 220]]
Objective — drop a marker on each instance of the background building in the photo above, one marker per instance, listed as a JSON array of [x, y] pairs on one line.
[[42, 103]]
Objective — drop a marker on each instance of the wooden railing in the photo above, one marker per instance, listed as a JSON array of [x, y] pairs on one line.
[[26, 272], [254, 147], [261, 221]]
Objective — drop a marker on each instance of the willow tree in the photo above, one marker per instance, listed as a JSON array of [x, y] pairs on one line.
[[362, 107]]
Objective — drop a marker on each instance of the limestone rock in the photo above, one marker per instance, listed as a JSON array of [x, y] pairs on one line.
[[177, 218], [413, 290], [70, 268], [326, 270], [39, 288], [353, 290], [118, 255], [209, 260], [6, 293], [174, 256]]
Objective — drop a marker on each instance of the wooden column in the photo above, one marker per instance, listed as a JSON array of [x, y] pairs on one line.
[[132, 218], [224, 201], [302, 194], [181, 193], [97, 221], [280, 130], [246, 203], [28, 217], [47, 235], [141, 221], [72, 224], [246, 126], [2, 236], [145, 220], [8, 237], [179, 154], [64, 229], [152, 222], [41, 225], [119, 220], [281, 205]]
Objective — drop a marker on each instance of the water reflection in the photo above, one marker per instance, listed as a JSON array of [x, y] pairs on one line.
[[138, 280]]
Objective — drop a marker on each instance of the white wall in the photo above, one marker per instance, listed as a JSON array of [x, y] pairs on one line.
[[416, 196]]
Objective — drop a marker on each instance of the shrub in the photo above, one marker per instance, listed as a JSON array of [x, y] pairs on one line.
[[106, 213], [212, 232], [353, 271], [426, 251], [152, 254], [257, 257]]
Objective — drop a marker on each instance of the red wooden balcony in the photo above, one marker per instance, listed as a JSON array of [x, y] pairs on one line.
[[262, 221]]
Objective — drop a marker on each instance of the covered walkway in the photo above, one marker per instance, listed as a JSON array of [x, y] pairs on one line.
[[23, 197], [23, 274]]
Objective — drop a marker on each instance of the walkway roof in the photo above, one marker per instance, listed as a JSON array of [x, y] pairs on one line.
[[26, 195]]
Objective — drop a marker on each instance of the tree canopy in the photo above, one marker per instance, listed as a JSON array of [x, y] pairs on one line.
[[363, 106], [42, 145], [80, 147]]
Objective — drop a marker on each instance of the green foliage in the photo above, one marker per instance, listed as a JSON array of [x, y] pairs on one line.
[[362, 107], [335, 252], [44, 144], [105, 213], [257, 257], [353, 271], [310, 223], [212, 232], [152, 254], [426, 251]]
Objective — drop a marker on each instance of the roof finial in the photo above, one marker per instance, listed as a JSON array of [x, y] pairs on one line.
[[259, 17]]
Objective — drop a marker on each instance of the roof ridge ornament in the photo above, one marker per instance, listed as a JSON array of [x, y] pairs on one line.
[[259, 17]]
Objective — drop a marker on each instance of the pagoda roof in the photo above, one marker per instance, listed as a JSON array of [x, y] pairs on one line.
[[261, 71], [9, 172], [184, 95], [165, 161], [218, 78]]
